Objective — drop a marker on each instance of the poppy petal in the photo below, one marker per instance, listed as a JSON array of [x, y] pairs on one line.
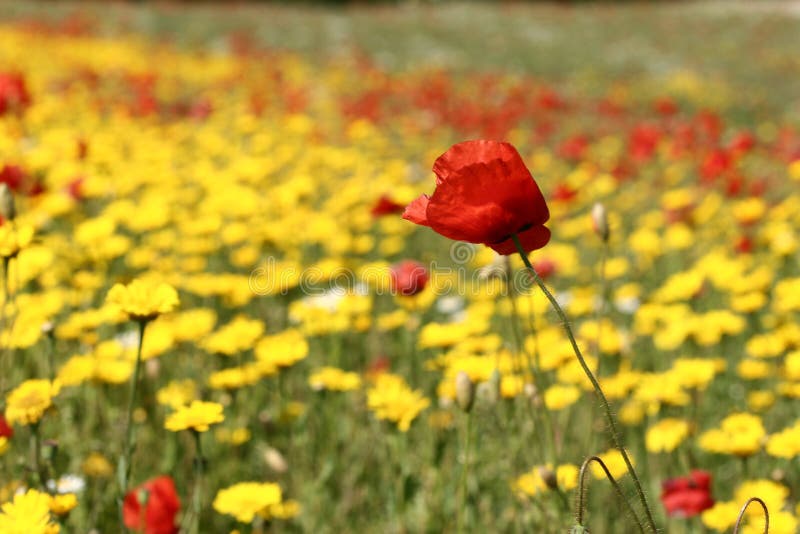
[[416, 211], [531, 239]]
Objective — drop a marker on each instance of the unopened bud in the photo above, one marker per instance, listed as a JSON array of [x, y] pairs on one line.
[[465, 391], [8, 208], [530, 391], [152, 367], [600, 221], [275, 460], [548, 477]]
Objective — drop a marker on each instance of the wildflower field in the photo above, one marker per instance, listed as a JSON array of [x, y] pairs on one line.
[[455, 268]]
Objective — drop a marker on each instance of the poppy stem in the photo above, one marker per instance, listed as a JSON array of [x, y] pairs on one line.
[[612, 425], [581, 505], [124, 466], [744, 509]]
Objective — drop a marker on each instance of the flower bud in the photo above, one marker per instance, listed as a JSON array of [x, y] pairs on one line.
[[8, 209], [275, 460], [600, 221], [548, 477], [465, 391]]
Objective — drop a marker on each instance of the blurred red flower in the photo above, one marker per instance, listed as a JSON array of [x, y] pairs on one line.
[[5, 429], [385, 206], [484, 194], [13, 92], [151, 508], [687, 496], [409, 277]]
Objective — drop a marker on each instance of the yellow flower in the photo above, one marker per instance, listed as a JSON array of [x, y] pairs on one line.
[[334, 379], [614, 462], [27, 403], [28, 513], [722, 516], [739, 434], [143, 299], [786, 443], [177, 393], [666, 435], [542, 477], [558, 397], [97, 466], [772, 493], [238, 335], [391, 399], [244, 500], [63, 504], [780, 522], [198, 416], [283, 349], [14, 238], [282, 510]]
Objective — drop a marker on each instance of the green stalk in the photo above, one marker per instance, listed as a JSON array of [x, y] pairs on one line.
[[612, 425], [197, 496], [464, 472], [124, 466]]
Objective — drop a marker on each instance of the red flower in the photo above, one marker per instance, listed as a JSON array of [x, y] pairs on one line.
[[484, 194], [5, 429], [13, 92], [409, 277], [151, 508], [385, 206], [687, 496]]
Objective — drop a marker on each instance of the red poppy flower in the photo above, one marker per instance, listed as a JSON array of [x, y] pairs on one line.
[[13, 92], [385, 206], [5, 429], [484, 194], [687, 496], [409, 277], [151, 508]]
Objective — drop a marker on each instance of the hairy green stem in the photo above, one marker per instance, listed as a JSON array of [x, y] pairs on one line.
[[581, 504], [612, 425], [744, 509]]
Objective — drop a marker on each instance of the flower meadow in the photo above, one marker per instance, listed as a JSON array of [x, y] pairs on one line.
[[247, 290]]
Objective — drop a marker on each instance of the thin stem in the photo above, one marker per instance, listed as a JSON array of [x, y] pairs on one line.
[[3, 319], [534, 372], [464, 480], [197, 495], [37, 454], [744, 509], [612, 425], [124, 466], [600, 312], [581, 505]]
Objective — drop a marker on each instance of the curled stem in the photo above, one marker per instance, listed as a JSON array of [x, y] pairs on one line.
[[612, 425], [581, 505], [744, 509]]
